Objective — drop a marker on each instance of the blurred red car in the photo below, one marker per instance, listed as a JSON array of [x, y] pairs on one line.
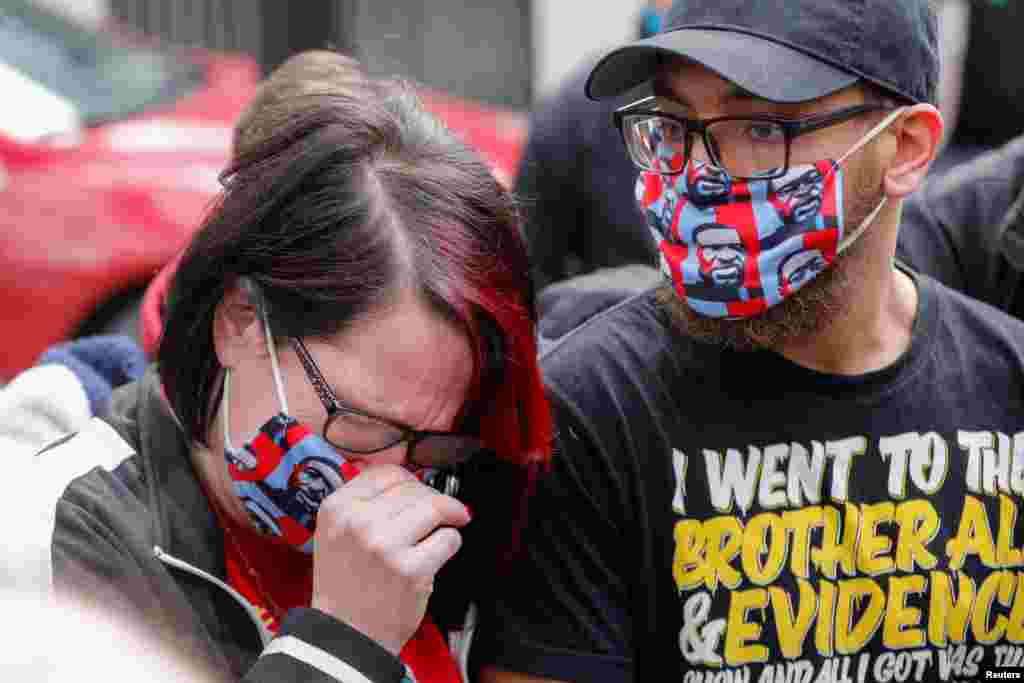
[[109, 155]]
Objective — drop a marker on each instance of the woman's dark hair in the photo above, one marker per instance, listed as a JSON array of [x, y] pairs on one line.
[[356, 198], [359, 195]]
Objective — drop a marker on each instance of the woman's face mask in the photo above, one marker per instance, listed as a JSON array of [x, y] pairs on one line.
[[734, 248], [283, 473]]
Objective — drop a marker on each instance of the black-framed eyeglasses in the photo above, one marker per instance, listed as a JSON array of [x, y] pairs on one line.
[[746, 147], [357, 432]]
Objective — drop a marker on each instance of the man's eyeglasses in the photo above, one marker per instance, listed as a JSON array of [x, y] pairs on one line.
[[357, 432], [747, 148]]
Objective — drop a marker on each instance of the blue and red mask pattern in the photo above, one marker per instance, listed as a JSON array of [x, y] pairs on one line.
[[735, 248], [282, 475]]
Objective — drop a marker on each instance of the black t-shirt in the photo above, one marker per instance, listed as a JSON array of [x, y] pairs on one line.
[[724, 516]]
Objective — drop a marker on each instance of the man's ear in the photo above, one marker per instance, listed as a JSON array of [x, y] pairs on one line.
[[918, 133], [237, 327]]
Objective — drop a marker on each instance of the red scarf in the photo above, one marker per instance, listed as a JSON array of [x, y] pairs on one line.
[[290, 584]]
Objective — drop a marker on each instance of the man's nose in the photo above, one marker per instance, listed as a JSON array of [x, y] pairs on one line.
[[698, 150]]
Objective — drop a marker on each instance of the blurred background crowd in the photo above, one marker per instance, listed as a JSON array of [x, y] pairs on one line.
[[123, 111], [119, 117]]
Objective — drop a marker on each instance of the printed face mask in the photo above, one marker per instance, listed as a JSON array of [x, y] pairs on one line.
[[282, 475], [285, 471], [735, 248]]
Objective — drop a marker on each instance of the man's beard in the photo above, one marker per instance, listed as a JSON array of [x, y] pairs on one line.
[[802, 315]]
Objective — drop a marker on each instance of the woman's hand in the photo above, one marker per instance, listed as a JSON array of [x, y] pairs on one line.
[[380, 539]]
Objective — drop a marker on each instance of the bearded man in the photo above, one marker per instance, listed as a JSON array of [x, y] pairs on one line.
[[814, 476]]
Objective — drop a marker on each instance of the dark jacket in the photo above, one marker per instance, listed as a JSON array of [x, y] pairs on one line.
[[965, 228], [134, 532]]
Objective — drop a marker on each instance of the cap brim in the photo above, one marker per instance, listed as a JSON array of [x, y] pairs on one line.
[[760, 66]]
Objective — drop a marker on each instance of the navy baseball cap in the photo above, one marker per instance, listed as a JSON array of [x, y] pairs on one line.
[[788, 50]]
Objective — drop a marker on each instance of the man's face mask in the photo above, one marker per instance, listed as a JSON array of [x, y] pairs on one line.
[[735, 248]]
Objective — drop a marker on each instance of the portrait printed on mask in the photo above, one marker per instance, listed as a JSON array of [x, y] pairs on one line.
[[294, 471], [798, 196], [708, 185], [261, 518], [721, 254], [799, 268], [241, 458], [312, 481]]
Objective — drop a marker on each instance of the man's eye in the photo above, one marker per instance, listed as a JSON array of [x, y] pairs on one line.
[[764, 132]]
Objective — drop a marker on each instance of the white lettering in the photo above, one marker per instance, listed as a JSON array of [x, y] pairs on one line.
[[806, 474], [735, 481], [842, 453], [679, 466]]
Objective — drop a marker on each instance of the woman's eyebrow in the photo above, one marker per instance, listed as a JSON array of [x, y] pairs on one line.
[[356, 407]]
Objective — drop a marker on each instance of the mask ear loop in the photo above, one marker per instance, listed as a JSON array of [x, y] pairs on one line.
[[226, 403], [274, 366], [864, 224]]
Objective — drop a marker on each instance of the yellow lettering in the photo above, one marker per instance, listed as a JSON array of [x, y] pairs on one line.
[[1015, 624], [766, 536], [1006, 554], [793, 628], [688, 565], [972, 537], [918, 522], [897, 633], [740, 632], [800, 522], [948, 615], [826, 618], [850, 636], [871, 558], [996, 586], [838, 545], [724, 540]]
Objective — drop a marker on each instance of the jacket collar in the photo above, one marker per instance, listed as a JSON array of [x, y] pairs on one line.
[[184, 523]]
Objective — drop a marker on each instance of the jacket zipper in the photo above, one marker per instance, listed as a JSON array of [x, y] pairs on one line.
[[265, 633]]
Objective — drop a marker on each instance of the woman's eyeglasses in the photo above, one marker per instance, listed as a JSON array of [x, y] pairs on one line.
[[354, 431]]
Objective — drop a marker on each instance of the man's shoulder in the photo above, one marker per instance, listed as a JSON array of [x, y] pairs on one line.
[[965, 318], [627, 321], [630, 342]]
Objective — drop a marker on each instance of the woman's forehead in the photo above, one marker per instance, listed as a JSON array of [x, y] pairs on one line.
[[402, 363]]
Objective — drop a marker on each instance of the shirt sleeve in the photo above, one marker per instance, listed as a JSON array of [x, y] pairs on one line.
[[563, 613]]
